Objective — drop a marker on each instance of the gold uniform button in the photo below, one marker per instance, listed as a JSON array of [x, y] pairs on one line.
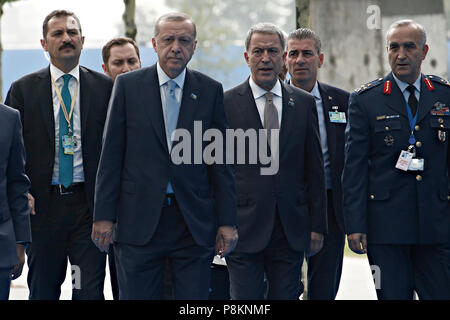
[[448, 197], [417, 128], [419, 177], [386, 128], [373, 197], [418, 144], [441, 125]]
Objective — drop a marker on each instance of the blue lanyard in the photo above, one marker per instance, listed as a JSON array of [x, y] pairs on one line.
[[412, 123]]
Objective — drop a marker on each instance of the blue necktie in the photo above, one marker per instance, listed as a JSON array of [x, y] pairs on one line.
[[172, 111], [65, 160]]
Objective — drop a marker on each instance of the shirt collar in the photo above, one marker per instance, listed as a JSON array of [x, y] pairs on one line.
[[259, 92], [403, 85], [164, 78], [316, 92], [57, 73]]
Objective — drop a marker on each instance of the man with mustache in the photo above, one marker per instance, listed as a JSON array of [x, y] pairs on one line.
[[304, 58], [160, 210], [396, 173], [281, 216], [63, 109]]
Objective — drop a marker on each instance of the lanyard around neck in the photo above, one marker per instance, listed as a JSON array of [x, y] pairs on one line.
[[67, 116]]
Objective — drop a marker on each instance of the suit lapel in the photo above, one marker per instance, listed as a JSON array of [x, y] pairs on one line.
[[286, 114], [395, 100], [425, 100], [85, 86], [151, 101], [327, 103], [249, 109], [46, 103], [189, 101]]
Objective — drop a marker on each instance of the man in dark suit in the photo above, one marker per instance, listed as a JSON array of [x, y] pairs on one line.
[[163, 208], [63, 109], [396, 173], [120, 55], [304, 58], [282, 215], [15, 230]]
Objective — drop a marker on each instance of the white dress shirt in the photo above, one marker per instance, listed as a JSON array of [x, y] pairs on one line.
[[260, 99], [78, 173]]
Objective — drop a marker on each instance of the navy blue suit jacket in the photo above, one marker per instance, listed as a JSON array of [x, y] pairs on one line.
[[14, 184], [390, 205], [135, 165], [335, 97], [297, 190]]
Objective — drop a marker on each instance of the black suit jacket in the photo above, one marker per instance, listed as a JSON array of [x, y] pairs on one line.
[[135, 165], [32, 96], [297, 190], [14, 184], [335, 97]]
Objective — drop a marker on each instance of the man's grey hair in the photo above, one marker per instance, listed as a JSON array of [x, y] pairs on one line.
[[265, 27], [305, 33], [407, 22], [174, 16]]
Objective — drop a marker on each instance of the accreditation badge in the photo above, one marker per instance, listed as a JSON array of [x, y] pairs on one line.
[[337, 117], [68, 144], [404, 160]]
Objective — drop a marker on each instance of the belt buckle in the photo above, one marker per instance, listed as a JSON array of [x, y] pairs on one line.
[[62, 190]]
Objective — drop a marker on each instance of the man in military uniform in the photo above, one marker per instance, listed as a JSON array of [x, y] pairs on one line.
[[396, 180]]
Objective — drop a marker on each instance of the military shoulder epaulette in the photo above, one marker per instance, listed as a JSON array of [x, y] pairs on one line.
[[369, 85], [438, 80]]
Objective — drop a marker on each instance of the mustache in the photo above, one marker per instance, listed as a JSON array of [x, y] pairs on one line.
[[67, 45]]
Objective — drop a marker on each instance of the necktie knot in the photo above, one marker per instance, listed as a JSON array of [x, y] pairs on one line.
[[171, 85], [411, 89], [66, 79], [269, 97]]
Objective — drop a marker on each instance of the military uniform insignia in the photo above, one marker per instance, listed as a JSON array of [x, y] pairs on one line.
[[442, 136], [440, 109], [428, 83], [368, 85], [387, 87], [437, 80], [389, 140]]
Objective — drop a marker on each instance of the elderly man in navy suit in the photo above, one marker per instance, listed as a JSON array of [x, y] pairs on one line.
[[396, 173], [163, 209], [15, 232], [304, 58]]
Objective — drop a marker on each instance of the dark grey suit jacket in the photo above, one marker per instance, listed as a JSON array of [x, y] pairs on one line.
[[297, 190], [14, 184]]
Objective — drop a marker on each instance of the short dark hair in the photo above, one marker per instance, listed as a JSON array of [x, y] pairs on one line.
[[58, 13], [121, 41], [174, 16], [305, 33]]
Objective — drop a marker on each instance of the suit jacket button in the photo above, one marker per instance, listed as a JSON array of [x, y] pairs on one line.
[[419, 177]]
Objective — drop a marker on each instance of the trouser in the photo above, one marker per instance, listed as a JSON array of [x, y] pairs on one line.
[[141, 268], [5, 282], [278, 262], [64, 233], [325, 267], [403, 269]]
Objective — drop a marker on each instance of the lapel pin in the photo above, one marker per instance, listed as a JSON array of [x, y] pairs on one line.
[[193, 96], [291, 102], [330, 98]]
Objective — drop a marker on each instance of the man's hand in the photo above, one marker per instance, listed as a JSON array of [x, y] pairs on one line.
[[357, 242], [17, 270], [226, 240], [31, 203], [102, 234], [316, 243]]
